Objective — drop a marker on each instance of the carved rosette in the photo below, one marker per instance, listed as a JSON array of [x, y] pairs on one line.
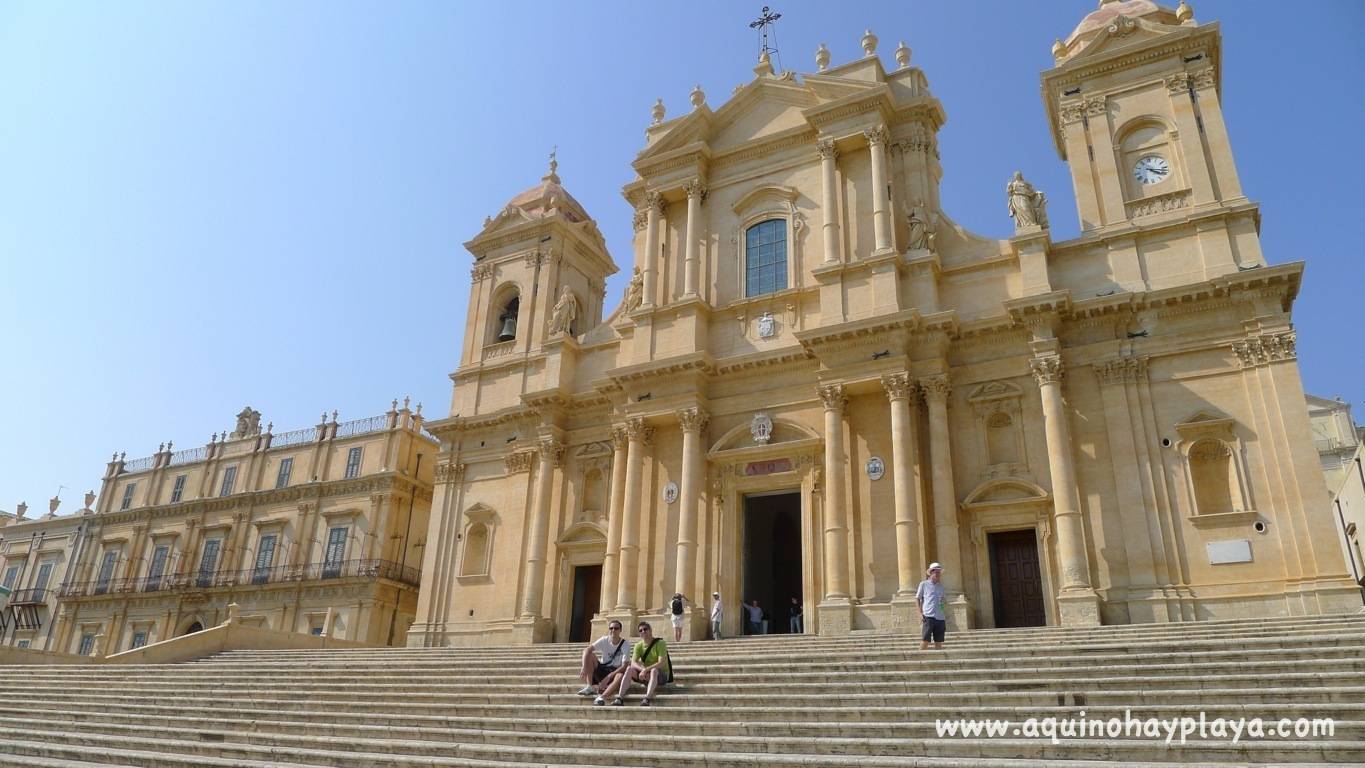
[[936, 388], [832, 397], [876, 136], [693, 419], [518, 462], [553, 450], [636, 429], [898, 386], [1266, 348], [450, 472], [825, 148], [1121, 370], [1047, 369]]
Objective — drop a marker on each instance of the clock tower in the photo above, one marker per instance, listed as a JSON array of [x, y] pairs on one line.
[[1134, 105]]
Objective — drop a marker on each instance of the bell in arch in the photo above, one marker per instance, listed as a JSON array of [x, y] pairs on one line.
[[508, 319]]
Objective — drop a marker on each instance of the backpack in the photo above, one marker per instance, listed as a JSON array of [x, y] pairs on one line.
[[677, 606]]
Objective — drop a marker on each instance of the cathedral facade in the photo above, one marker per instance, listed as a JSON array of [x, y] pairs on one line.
[[817, 383]]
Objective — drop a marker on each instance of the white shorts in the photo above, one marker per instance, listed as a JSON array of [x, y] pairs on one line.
[[677, 621]]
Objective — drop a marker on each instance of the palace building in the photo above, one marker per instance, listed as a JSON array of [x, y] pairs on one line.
[[817, 383]]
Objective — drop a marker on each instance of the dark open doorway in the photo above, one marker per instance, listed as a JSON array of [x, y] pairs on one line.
[[587, 593], [772, 555], [1016, 580]]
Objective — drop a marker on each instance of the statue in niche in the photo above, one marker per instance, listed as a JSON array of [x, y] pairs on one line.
[[921, 225], [1027, 206], [565, 312], [248, 423], [635, 292]]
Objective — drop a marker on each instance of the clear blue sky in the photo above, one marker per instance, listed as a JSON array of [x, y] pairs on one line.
[[205, 205]]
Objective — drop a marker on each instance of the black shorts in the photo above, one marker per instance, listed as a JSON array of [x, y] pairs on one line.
[[600, 672], [934, 629]]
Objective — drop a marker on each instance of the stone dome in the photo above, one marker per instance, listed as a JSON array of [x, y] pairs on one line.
[[1112, 9], [549, 196]]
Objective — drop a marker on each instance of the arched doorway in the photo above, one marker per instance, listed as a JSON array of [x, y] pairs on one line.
[[191, 629]]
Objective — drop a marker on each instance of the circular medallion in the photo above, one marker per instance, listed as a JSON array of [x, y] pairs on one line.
[[670, 493], [875, 468]]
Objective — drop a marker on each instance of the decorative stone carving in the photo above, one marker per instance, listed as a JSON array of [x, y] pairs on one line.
[[920, 223], [1266, 348], [565, 312], [826, 149], [695, 188], [1027, 206], [1203, 79], [869, 43], [767, 326], [1121, 370], [640, 219], [1178, 83], [1170, 201], [517, 462], [1096, 106], [936, 387], [635, 291], [822, 58], [832, 397], [903, 55], [693, 419], [761, 428], [1047, 369], [636, 429], [619, 438], [553, 449], [654, 200], [481, 271], [656, 113], [1072, 112], [450, 471], [1122, 26], [248, 423], [898, 386], [876, 136]]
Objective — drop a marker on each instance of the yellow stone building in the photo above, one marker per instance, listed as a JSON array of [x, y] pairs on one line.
[[314, 530]]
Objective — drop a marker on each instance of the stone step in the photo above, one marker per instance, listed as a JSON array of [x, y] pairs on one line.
[[677, 752]]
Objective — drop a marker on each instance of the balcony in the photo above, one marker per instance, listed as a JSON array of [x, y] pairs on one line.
[[253, 577], [29, 597]]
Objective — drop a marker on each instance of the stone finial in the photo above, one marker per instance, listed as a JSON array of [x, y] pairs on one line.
[[170, 444], [554, 161], [822, 57], [161, 448], [21, 510], [324, 418], [869, 43], [213, 439], [394, 407], [89, 499], [1184, 12], [765, 65], [903, 55], [1057, 48], [657, 112], [406, 399], [114, 457], [334, 416], [697, 96], [122, 455], [419, 409]]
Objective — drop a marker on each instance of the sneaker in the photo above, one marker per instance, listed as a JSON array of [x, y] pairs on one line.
[[618, 702], [599, 701], [644, 702], [587, 690]]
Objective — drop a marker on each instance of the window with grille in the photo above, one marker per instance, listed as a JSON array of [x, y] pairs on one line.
[[106, 571], [229, 480], [128, 495], [765, 257], [208, 563], [139, 640], [179, 489], [158, 567], [353, 463], [87, 645], [336, 551], [286, 468], [265, 557]]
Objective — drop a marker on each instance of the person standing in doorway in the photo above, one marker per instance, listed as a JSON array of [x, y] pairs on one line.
[[675, 613], [717, 613], [795, 617], [755, 617], [929, 598]]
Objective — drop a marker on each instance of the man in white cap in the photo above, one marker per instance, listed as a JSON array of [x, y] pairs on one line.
[[929, 597]]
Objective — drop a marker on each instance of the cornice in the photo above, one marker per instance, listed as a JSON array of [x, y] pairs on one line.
[[695, 362]]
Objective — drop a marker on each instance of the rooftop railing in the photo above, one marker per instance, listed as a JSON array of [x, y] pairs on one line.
[[294, 437], [279, 574], [362, 426]]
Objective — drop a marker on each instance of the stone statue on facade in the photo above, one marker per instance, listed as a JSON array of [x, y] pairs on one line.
[[1027, 206], [248, 423], [921, 226], [635, 292], [565, 312]]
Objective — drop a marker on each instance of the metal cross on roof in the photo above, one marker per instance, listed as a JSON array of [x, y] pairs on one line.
[[765, 20]]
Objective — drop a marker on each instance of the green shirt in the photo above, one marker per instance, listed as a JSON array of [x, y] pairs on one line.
[[660, 650]]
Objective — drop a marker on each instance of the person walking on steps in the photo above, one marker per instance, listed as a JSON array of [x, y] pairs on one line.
[[929, 598], [675, 614], [717, 613], [795, 618]]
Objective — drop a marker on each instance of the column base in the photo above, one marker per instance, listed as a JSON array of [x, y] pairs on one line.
[[531, 630], [426, 635], [1078, 608], [836, 616], [959, 613]]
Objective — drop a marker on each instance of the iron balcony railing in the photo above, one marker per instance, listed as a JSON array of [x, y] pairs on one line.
[[185, 582], [28, 597]]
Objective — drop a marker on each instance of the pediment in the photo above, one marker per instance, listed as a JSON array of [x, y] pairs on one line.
[[1121, 34], [762, 109], [583, 533], [995, 390], [783, 431], [480, 513], [692, 128], [1005, 491]]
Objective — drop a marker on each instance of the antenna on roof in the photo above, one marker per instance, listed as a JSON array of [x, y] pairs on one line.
[[765, 20]]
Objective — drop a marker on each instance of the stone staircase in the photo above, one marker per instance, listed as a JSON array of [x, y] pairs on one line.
[[867, 700]]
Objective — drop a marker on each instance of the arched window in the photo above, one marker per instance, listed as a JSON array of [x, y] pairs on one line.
[[475, 561], [765, 257], [505, 325], [1211, 468]]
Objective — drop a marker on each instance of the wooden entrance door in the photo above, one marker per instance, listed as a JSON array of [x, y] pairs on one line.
[[1016, 581], [587, 593]]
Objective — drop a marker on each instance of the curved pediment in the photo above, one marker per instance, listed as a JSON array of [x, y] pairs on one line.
[[775, 195], [1003, 491], [783, 431], [583, 533]]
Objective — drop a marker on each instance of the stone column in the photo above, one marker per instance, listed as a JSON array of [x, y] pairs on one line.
[[899, 390], [881, 215], [836, 468], [692, 421], [1077, 603], [949, 545], [551, 453], [637, 437], [654, 204], [830, 199], [611, 558], [696, 193]]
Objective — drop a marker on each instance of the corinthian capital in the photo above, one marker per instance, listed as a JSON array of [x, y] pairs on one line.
[[826, 149], [693, 419], [936, 388], [619, 438], [641, 219], [636, 429], [695, 188], [553, 450], [654, 201], [1047, 369], [898, 386], [876, 136], [833, 397]]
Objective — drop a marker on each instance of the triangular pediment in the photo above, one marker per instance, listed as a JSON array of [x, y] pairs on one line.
[[1122, 34]]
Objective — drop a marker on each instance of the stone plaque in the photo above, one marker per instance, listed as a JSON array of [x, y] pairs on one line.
[[670, 493], [1229, 551], [876, 468], [767, 467]]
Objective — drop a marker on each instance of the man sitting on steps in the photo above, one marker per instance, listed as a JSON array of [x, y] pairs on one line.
[[649, 663], [603, 661]]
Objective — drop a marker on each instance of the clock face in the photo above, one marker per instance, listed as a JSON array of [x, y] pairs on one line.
[[1151, 169]]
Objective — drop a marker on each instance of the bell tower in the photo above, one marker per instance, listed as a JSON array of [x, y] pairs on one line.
[[1133, 102]]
